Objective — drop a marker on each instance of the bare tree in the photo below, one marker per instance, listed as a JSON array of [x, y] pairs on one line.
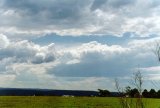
[[118, 88], [157, 50], [157, 53], [137, 81], [123, 100]]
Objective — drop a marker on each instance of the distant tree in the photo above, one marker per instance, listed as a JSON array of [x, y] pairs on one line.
[[131, 92], [134, 92], [145, 93], [104, 93], [158, 93], [128, 90], [152, 93]]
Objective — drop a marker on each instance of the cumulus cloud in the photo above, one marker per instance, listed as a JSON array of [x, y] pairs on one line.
[[24, 62], [26, 52], [95, 59], [4, 42]]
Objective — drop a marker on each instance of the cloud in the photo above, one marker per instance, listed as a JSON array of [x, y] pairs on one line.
[[96, 60], [31, 76], [97, 4], [143, 26], [75, 17], [89, 60], [26, 52], [89, 83], [72, 67], [4, 42], [24, 63], [48, 13], [111, 4]]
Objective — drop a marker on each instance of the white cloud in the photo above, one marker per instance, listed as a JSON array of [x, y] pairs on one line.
[[94, 47], [27, 52], [155, 69], [23, 63], [94, 59], [143, 26], [4, 42], [6, 80]]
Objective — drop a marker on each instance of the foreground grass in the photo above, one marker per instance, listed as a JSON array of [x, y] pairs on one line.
[[66, 102]]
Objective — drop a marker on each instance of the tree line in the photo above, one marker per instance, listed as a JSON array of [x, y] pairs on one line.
[[133, 93]]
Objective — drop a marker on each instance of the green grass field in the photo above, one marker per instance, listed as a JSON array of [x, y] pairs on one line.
[[66, 102]]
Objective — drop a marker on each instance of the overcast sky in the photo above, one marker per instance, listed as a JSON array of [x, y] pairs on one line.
[[78, 44]]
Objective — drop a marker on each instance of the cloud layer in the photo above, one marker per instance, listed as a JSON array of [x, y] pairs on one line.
[[73, 44], [76, 17], [28, 64]]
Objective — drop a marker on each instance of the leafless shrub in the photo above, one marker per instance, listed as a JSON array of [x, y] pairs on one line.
[[123, 100], [138, 102]]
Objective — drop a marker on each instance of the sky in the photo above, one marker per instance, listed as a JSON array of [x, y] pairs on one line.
[[78, 44]]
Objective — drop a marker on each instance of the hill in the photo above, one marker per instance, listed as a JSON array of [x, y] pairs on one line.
[[44, 92]]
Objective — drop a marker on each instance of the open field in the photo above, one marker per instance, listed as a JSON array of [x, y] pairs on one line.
[[66, 102]]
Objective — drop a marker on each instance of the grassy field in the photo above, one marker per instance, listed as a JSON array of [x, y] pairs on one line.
[[66, 102]]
